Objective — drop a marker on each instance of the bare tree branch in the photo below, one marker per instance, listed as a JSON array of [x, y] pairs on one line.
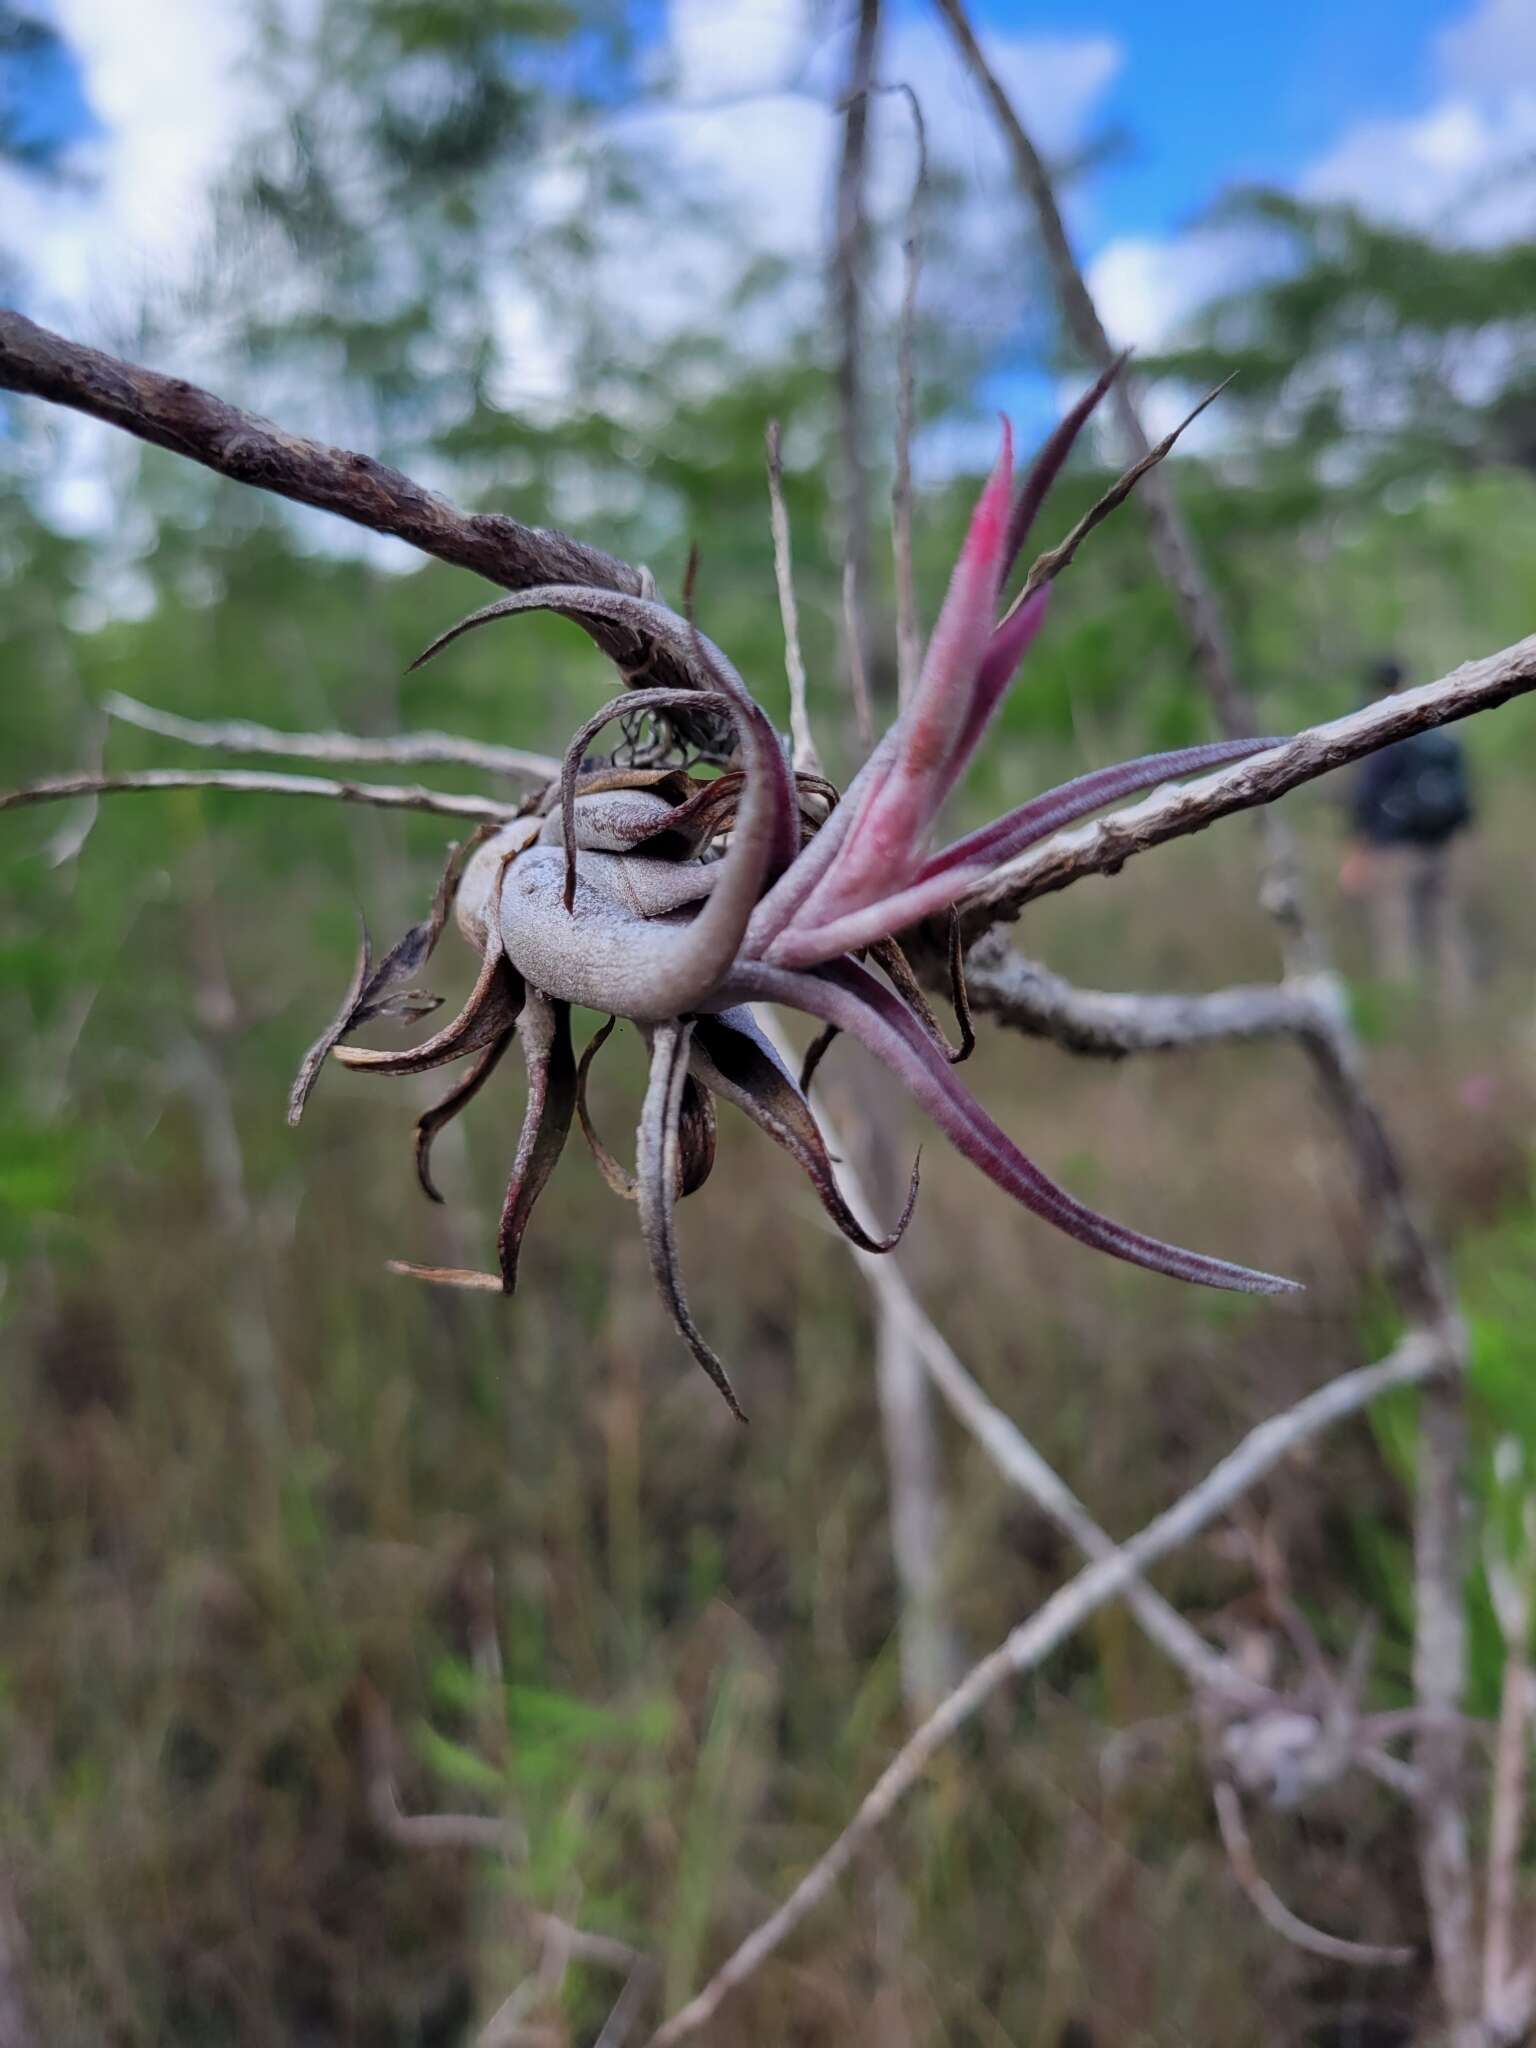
[[1509, 1992], [929, 1651], [1416, 1360], [1272, 1908], [174, 414], [1414, 1269], [1104, 847], [806, 760], [241, 736], [850, 264], [909, 633], [1025, 996], [382, 795], [18, 2020]]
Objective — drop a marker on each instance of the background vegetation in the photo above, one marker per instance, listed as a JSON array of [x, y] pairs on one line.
[[253, 1486]]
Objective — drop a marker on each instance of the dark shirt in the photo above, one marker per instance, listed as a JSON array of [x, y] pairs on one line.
[[1413, 793]]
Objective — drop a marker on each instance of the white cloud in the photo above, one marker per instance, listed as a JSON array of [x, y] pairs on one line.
[[759, 134], [751, 125], [1143, 297], [174, 101], [1490, 49], [726, 48], [1460, 168], [1454, 170]]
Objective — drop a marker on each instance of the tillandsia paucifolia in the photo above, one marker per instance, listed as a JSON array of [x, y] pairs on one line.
[[613, 894]]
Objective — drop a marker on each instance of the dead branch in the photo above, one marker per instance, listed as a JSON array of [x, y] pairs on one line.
[[1025, 996], [177, 415], [1416, 1360], [850, 265], [242, 736], [930, 1654], [909, 632], [1272, 1908], [806, 759], [382, 795], [1414, 1269], [1104, 847], [1509, 1991]]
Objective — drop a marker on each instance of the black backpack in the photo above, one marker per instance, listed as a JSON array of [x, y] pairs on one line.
[[1428, 798]]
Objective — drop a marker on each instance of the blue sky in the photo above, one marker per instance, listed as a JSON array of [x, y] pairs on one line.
[[1205, 95], [1401, 107], [1210, 93]]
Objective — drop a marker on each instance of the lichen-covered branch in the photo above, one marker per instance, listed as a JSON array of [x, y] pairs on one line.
[[381, 795], [243, 736], [1104, 847], [1025, 996]]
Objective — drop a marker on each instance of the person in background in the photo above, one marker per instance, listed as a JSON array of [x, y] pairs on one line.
[[1408, 804]]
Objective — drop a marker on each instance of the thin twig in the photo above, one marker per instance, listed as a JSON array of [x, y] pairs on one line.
[[909, 635], [382, 795], [858, 676], [479, 1833], [1509, 1994], [806, 760], [242, 736], [1273, 1909], [626, 2007], [1415, 1361], [850, 263]]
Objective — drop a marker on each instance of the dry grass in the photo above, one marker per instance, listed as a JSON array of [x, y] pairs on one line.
[[193, 1596]]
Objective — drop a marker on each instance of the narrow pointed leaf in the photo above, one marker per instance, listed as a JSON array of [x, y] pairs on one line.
[[432, 1120], [657, 1170], [492, 1008], [1047, 465], [544, 1033], [732, 1062], [1055, 808], [612, 1169], [894, 820], [847, 995], [941, 881], [317, 1055]]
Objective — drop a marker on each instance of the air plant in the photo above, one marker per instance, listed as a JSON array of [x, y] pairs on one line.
[[614, 894]]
